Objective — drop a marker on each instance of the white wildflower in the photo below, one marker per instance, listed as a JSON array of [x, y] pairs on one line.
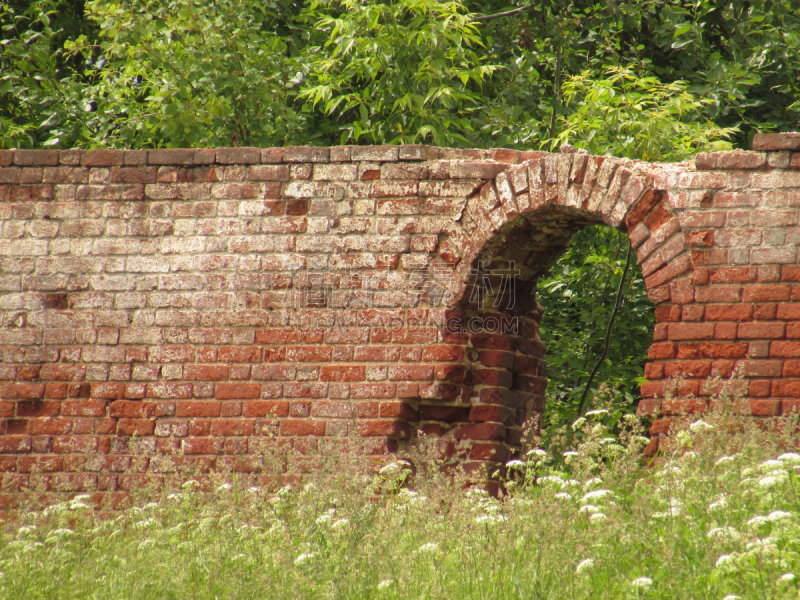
[[700, 426], [572, 483], [390, 471], [786, 578], [766, 545], [562, 496], [191, 484], [597, 411], [732, 597], [55, 508], [723, 460], [79, 502], [757, 520], [306, 556], [174, 496], [477, 493], [718, 504], [63, 532], [146, 543], [723, 560], [592, 481], [224, 486], [642, 583], [597, 517], [324, 518], [595, 494], [778, 515], [144, 523], [578, 424], [253, 489], [771, 480], [673, 511], [789, 457], [551, 479], [429, 547], [771, 465], [489, 519], [723, 532], [385, 584], [589, 508], [584, 565], [536, 452], [515, 464], [340, 524]]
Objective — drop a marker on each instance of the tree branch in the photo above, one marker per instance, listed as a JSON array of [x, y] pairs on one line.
[[516, 11], [608, 332]]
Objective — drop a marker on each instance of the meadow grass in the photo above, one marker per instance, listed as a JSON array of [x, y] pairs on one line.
[[715, 517]]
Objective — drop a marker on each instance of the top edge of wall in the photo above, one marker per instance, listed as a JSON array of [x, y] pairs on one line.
[[739, 159], [245, 156]]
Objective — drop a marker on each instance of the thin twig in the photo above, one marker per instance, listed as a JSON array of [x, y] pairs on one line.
[[516, 11], [556, 92], [617, 304]]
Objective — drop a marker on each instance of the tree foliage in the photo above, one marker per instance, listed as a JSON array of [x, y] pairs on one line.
[[630, 116], [401, 72], [121, 73]]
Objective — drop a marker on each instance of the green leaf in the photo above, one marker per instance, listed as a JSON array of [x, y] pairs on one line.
[[681, 30]]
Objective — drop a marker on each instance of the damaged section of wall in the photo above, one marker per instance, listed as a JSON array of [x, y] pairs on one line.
[[185, 310]]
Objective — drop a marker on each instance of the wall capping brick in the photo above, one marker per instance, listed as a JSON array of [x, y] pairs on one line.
[[206, 301], [776, 141]]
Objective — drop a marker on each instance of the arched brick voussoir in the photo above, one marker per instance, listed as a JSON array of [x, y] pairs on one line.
[[602, 188], [599, 188]]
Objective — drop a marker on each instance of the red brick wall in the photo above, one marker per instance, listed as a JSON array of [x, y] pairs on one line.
[[170, 310]]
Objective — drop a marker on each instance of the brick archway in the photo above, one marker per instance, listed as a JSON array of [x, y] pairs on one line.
[[523, 220]]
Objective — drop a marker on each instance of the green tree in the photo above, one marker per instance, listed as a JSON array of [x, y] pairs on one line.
[[403, 72], [41, 85]]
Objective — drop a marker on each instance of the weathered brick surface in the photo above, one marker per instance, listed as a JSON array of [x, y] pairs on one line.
[[181, 308]]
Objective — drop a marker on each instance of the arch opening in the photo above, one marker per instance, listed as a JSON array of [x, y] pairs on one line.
[[516, 228], [511, 362]]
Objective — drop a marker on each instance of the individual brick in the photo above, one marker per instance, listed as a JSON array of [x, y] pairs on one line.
[[776, 141], [238, 156], [102, 158], [306, 154], [170, 157], [374, 153]]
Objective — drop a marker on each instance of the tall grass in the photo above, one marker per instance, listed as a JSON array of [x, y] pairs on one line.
[[716, 517]]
